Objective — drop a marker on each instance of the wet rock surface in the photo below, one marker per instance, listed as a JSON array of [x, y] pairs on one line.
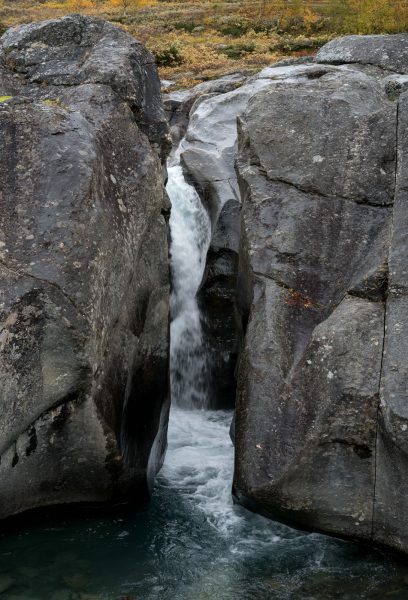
[[208, 153], [320, 424], [84, 266], [217, 300], [178, 105]]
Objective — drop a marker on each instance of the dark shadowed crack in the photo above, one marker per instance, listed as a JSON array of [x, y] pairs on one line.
[[362, 450], [384, 330], [316, 193], [360, 63], [77, 397], [204, 181]]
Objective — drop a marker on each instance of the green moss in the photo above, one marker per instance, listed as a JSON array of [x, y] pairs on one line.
[[55, 102], [5, 98], [186, 26], [234, 29]]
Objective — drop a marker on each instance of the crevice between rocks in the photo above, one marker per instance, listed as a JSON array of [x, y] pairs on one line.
[[76, 396], [317, 193], [340, 63], [384, 329]]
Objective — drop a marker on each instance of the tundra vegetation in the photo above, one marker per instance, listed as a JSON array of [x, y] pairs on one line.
[[202, 39]]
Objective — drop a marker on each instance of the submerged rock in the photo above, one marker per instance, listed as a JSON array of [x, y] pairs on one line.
[[83, 259]]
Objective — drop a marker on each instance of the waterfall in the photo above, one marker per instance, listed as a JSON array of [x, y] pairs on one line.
[[190, 237], [200, 456]]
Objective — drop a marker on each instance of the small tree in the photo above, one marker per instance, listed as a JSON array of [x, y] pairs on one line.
[[126, 5]]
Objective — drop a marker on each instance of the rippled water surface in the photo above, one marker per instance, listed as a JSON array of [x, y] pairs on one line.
[[192, 543]]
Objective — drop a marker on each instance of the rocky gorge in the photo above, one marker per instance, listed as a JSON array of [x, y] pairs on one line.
[[300, 175], [316, 171]]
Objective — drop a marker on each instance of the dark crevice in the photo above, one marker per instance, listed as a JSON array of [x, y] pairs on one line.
[[316, 74], [316, 193], [362, 450], [207, 181], [31, 431], [384, 332], [363, 295]]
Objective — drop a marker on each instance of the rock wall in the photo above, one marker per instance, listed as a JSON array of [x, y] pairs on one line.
[[321, 420], [320, 424], [84, 266]]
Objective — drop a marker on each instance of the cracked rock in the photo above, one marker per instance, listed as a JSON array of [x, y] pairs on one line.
[[321, 417], [83, 264]]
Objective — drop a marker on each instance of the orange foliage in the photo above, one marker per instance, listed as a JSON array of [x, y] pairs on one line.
[[298, 300]]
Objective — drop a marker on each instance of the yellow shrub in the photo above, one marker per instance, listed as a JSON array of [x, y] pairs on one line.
[[126, 5]]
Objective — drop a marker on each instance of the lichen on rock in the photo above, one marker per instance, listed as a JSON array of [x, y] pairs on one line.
[[84, 266]]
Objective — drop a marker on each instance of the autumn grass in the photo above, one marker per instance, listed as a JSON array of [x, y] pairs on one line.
[[203, 39]]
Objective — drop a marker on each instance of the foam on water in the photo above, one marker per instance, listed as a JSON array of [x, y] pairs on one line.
[[200, 463], [190, 237], [200, 458]]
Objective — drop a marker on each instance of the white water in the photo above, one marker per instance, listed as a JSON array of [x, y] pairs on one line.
[[228, 552], [200, 457], [200, 464], [190, 237], [192, 543]]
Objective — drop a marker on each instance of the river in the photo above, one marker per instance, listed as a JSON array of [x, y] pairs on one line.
[[192, 542]]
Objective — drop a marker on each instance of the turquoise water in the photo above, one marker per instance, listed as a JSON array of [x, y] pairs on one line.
[[192, 543]]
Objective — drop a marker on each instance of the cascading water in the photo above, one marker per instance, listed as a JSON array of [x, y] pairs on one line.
[[199, 462], [190, 237]]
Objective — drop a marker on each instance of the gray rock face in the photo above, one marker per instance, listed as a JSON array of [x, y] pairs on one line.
[[390, 508], [83, 261], [217, 301], [321, 425], [208, 153], [389, 52], [209, 148], [305, 152], [179, 104]]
